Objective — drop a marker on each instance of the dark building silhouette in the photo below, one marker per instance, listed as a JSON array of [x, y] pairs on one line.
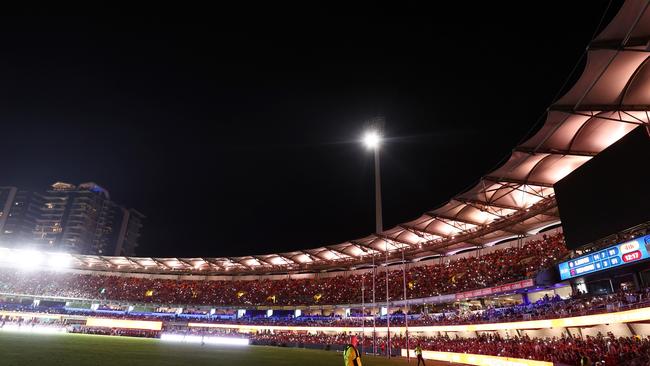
[[77, 219]]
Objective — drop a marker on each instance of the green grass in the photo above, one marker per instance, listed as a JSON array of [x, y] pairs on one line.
[[18, 349]]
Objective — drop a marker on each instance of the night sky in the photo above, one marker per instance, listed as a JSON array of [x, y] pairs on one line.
[[236, 131]]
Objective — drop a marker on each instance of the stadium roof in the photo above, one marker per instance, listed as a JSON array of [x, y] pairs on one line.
[[610, 99]]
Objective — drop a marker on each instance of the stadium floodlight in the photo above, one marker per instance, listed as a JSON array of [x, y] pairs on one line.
[[180, 338], [59, 260], [35, 329], [27, 259], [372, 139], [123, 323], [226, 340], [172, 337], [193, 339], [5, 254]]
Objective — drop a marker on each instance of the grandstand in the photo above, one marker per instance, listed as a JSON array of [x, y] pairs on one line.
[[486, 276], [426, 279]]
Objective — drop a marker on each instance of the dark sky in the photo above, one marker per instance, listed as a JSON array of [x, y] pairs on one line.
[[235, 131]]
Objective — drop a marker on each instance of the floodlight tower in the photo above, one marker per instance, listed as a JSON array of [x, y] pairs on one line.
[[372, 139]]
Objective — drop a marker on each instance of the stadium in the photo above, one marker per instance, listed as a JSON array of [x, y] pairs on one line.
[[521, 269]]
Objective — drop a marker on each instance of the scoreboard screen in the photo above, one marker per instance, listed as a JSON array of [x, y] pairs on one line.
[[617, 255]]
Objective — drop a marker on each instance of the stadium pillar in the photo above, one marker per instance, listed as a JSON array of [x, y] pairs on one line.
[[379, 226]]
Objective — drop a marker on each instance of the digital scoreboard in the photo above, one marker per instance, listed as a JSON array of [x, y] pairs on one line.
[[617, 255]]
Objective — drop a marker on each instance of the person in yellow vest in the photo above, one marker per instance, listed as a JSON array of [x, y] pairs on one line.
[[351, 356], [418, 354]]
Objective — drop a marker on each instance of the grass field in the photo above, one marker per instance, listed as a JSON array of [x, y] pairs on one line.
[[18, 349]]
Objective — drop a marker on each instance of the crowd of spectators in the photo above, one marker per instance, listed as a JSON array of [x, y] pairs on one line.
[[141, 333], [544, 308], [299, 338], [565, 350], [467, 273], [8, 321]]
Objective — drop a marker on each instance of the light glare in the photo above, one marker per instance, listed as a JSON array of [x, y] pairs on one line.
[[59, 260], [205, 339], [34, 329], [123, 323], [371, 139], [28, 259]]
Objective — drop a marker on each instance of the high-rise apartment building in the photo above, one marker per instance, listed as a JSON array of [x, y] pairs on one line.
[[130, 227], [79, 219]]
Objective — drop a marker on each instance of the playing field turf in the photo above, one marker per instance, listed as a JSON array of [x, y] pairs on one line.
[[19, 349]]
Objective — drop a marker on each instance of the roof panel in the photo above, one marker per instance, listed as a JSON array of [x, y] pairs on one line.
[[637, 92], [604, 79], [598, 133], [518, 166], [557, 133], [555, 167], [628, 20], [472, 214], [410, 237]]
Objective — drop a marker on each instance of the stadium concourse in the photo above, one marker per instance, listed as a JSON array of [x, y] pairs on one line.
[[485, 279]]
